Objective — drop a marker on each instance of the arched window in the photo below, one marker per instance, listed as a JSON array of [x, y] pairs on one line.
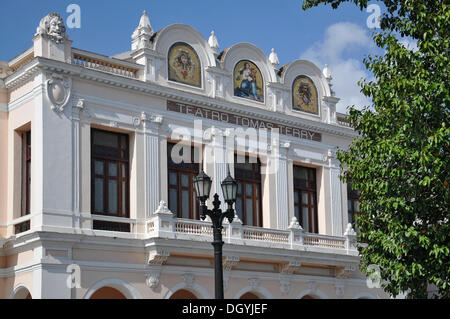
[[22, 293], [248, 81], [249, 295], [107, 293], [184, 65], [183, 294]]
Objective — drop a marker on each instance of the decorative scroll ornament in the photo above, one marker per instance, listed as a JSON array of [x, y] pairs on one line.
[[59, 89], [158, 258], [52, 26]]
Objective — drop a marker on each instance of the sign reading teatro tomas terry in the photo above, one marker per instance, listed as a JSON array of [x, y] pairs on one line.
[[239, 120]]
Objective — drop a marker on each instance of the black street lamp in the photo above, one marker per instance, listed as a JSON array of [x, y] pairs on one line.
[[202, 185]]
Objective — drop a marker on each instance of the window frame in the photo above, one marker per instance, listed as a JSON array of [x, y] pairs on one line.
[[352, 197], [311, 190], [26, 173], [192, 170], [121, 160], [256, 183]]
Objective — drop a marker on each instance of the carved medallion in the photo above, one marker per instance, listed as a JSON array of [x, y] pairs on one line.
[[59, 89]]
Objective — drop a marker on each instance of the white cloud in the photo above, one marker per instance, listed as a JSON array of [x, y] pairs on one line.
[[410, 44], [340, 50]]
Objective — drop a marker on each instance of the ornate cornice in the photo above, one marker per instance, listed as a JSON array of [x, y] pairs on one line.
[[174, 94], [22, 76]]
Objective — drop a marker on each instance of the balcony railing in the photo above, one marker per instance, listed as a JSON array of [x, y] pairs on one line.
[[164, 225], [105, 64], [342, 119]]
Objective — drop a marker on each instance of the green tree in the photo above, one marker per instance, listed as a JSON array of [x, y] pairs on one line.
[[400, 161]]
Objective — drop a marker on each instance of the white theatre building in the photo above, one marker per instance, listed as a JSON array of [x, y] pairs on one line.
[[94, 205]]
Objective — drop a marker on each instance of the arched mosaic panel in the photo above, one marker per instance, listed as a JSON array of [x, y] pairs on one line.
[[184, 65], [304, 95], [248, 81]]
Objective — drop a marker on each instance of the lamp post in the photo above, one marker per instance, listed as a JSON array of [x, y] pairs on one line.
[[202, 185]]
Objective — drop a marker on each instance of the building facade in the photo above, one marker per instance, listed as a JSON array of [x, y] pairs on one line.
[[98, 155]]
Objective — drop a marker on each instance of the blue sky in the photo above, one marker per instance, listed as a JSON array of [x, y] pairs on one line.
[[323, 35]]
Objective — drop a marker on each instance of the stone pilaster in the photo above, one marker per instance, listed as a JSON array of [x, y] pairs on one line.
[[281, 175], [77, 107], [336, 195], [152, 171]]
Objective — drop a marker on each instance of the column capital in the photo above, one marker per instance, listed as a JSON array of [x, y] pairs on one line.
[[332, 159], [151, 118], [77, 106]]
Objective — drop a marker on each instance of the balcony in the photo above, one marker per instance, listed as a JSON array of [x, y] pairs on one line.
[[164, 225]]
